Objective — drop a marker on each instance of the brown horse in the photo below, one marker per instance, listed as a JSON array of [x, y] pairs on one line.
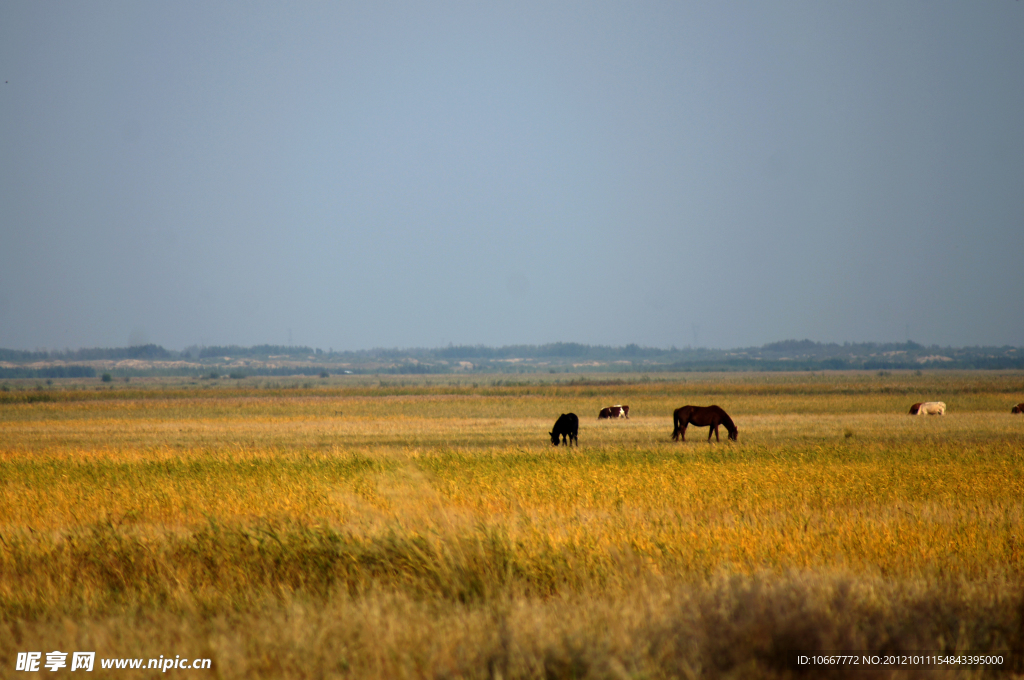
[[1019, 408], [702, 416]]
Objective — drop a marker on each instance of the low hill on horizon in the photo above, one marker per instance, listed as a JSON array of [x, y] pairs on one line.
[[786, 355]]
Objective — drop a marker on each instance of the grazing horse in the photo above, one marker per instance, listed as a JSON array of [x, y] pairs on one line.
[[1019, 408], [567, 426], [617, 411], [930, 408], [702, 416]]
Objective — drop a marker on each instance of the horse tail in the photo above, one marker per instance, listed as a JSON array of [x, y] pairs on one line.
[[677, 425]]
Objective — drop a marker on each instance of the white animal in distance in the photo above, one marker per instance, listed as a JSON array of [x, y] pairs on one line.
[[931, 408]]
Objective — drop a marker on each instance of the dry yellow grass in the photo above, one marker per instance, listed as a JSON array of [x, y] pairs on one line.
[[396, 505]]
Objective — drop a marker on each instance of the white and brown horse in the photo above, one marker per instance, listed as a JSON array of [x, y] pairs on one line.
[[617, 411], [928, 408]]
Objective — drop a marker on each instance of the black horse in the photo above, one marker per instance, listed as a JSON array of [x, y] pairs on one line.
[[566, 427], [702, 416]]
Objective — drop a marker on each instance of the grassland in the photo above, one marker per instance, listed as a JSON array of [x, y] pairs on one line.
[[425, 527]]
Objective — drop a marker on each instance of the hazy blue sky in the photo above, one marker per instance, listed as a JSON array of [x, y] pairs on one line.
[[352, 175]]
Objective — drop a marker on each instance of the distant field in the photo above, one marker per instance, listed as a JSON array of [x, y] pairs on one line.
[[425, 527]]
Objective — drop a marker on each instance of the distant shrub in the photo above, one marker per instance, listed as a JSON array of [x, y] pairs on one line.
[[107, 377], [236, 375], [324, 374]]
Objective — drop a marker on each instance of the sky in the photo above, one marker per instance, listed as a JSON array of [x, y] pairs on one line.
[[354, 175]]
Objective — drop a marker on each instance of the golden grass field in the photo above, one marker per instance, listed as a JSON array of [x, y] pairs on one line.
[[393, 527]]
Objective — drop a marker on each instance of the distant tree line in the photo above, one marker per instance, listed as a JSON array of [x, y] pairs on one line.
[[152, 352], [255, 351], [565, 350], [48, 372]]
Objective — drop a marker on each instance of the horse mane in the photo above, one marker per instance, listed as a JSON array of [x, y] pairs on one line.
[[729, 425]]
